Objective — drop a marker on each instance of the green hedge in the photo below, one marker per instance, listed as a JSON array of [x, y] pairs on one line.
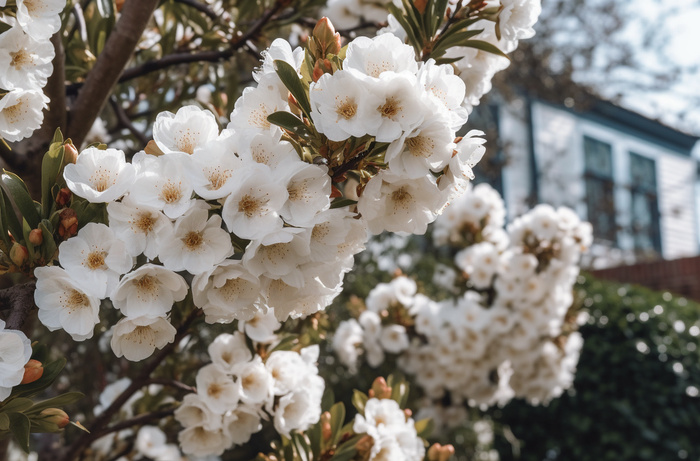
[[635, 395]]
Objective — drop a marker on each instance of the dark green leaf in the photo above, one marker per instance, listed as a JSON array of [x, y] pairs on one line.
[[16, 189], [106, 8], [286, 344], [18, 405], [48, 246], [485, 46], [4, 422], [425, 427], [301, 446], [19, 425], [328, 399], [455, 39], [291, 80], [341, 202], [56, 402], [289, 122], [337, 412], [9, 218]]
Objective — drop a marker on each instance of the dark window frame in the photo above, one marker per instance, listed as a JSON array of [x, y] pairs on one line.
[[600, 184], [647, 191]]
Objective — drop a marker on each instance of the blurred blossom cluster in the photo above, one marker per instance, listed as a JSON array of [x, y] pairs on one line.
[[505, 331]]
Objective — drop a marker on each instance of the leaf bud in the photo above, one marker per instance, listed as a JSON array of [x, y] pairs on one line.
[[326, 426], [18, 254], [70, 153], [327, 37], [439, 452], [380, 389], [36, 237], [33, 370]]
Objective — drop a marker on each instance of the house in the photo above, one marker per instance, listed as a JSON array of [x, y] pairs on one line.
[[633, 178]]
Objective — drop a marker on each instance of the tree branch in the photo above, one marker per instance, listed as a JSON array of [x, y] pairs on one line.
[[20, 300], [202, 56], [137, 383], [125, 121], [110, 64], [202, 8], [135, 421]]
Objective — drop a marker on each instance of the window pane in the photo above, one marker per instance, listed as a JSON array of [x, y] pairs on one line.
[[600, 197], [645, 207], [598, 157]]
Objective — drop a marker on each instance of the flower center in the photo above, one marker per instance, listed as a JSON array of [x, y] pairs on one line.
[[419, 146], [146, 284], [400, 196], [231, 289], [186, 142], [347, 109], [193, 240], [95, 260], [142, 335], [101, 180], [146, 222], [214, 390], [217, 177], [320, 231], [249, 206], [14, 113], [390, 108], [20, 59], [76, 299], [171, 193]]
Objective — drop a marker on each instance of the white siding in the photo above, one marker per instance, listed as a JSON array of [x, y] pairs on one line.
[[676, 180]]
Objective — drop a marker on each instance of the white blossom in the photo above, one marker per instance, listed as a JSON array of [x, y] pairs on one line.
[[136, 338]]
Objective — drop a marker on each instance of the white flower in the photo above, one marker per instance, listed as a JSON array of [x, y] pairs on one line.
[[383, 53], [21, 112], [25, 62], [399, 205], [161, 182], [149, 291], [445, 90], [64, 303], [227, 292], [99, 175], [217, 389], [196, 244], [279, 254], [256, 382], [40, 18], [289, 371], [261, 328], [96, 257], [227, 351], [185, 131], [249, 116], [397, 106], [308, 189], [428, 147], [341, 107], [269, 150], [518, 17], [346, 339], [469, 150], [252, 209], [212, 168], [394, 339], [297, 411], [240, 424], [194, 412], [150, 440], [140, 227], [200, 442], [15, 350], [137, 338]]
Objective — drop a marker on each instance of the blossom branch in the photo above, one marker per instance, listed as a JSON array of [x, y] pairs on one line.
[[174, 384], [20, 300], [98, 426], [125, 121], [135, 421], [110, 64], [203, 56], [201, 7]]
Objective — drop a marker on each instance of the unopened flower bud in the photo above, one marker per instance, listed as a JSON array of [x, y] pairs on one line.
[[18, 254], [380, 389], [322, 66], [153, 149], [293, 105], [420, 5], [70, 153], [364, 446], [36, 237], [68, 224], [326, 426], [327, 37], [56, 416], [63, 197], [33, 370], [438, 452]]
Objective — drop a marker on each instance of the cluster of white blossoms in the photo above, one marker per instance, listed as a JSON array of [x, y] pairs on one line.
[[238, 390], [506, 331], [393, 432], [180, 213], [15, 352], [26, 56], [474, 66]]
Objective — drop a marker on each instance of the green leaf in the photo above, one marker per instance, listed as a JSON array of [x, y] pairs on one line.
[[301, 446], [19, 426], [16, 189], [286, 344], [48, 246], [425, 427], [18, 405], [289, 122], [450, 40], [4, 422], [56, 402], [359, 400], [337, 412], [106, 8], [328, 399], [291, 80], [50, 170], [485, 46], [9, 218], [413, 36]]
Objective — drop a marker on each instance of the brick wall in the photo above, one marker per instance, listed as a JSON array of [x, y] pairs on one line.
[[680, 276]]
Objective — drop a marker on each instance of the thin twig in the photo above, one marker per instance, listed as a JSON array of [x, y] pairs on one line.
[[202, 8], [20, 300], [173, 383], [202, 56], [125, 121], [135, 421]]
